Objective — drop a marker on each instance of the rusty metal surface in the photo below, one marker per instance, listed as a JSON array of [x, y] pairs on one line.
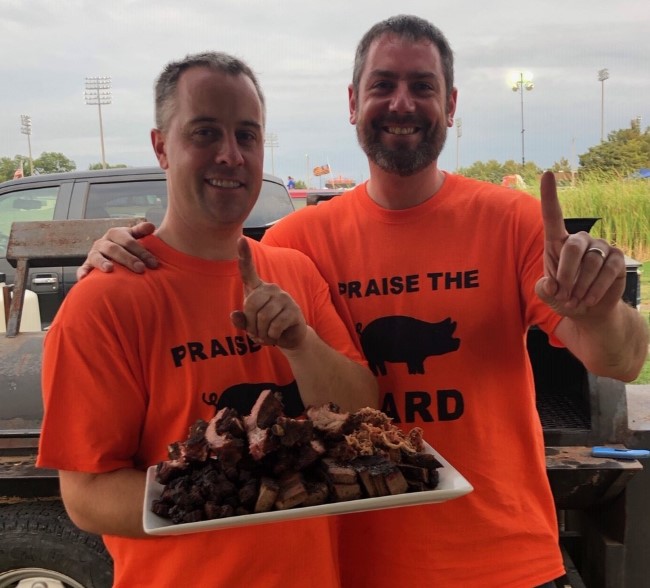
[[21, 479], [47, 243], [23, 466], [580, 481], [64, 242], [14, 465], [21, 405], [572, 457]]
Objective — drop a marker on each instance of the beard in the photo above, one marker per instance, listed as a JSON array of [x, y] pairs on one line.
[[403, 161]]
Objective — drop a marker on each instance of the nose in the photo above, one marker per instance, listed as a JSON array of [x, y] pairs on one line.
[[401, 100], [229, 152]]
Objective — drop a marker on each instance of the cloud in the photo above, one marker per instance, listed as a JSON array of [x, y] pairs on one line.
[[303, 54]]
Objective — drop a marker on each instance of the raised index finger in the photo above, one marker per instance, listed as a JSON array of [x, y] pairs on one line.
[[554, 228], [246, 265]]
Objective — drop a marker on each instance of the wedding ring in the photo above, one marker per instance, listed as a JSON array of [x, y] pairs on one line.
[[596, 250]]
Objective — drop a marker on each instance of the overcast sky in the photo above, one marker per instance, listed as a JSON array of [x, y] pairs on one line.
[[303, 51]]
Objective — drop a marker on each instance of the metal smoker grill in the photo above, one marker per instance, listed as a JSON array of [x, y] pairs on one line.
[[577, 411]]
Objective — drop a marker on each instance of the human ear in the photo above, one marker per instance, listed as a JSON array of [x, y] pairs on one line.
[[352, 103], [451, 106], [158, 143]]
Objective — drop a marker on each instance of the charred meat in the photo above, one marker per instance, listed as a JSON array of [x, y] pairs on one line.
[[265, 461]]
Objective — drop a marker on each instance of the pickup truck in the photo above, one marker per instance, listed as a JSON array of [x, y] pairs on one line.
[[41, 548], [113, 193], [39, 545]]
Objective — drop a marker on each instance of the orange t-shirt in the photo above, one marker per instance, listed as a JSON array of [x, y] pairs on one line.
[[441, 296], [131, 361]]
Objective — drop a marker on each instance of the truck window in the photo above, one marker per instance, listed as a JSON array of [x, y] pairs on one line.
[[273, 204], [36, 204], [126, 199]]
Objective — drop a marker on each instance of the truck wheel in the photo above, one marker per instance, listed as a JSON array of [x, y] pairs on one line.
[[39, 542]]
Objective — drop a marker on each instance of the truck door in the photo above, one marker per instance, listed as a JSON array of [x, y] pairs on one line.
[[36, 202]]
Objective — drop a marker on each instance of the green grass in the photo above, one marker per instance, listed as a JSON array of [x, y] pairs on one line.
[[644, 376]]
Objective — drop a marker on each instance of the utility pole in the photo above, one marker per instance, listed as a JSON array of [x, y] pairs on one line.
[[573, 158], [26, 129], [603, 74], [272, 142], [98, 92], [524, 82], [459, 134]]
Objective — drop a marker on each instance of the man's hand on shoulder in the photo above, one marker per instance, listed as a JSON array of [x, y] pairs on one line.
[[120, 245]]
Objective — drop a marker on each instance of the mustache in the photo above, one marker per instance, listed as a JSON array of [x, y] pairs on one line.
[[401, 119]]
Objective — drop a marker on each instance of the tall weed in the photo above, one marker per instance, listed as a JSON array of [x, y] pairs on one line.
[[622, 205]]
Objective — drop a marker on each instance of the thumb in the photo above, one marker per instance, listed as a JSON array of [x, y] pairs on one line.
[[142, 229], [546, 289], [83, 270], [238, 319]]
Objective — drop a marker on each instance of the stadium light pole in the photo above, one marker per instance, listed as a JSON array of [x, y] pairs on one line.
[[26, 129], [603, 74], [519, 84], [271, 142], [98, 92], [459, 134]]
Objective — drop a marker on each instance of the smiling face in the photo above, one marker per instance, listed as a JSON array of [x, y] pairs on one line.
[[212, 148], [401, 109]]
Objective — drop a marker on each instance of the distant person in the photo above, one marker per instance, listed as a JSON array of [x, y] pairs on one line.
[[291, 183], [440, 277], [131, 363]]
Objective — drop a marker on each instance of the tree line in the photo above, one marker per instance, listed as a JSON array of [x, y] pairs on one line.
[[48, 163], [624, 152]]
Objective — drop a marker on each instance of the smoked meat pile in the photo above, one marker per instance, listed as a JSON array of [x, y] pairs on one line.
[[266, 461]]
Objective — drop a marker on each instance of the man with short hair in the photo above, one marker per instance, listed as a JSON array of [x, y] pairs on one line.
[[130, 364], [441, 277], [450, 275]]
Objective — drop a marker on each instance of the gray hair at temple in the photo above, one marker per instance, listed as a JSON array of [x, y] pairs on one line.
[[412, 28], [167, 82]]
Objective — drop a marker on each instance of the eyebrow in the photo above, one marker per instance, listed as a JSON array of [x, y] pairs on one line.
[[210, 119], [417, 75], [252, 124]]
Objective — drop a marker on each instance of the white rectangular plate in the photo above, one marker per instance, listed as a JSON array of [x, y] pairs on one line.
[[451, 485]]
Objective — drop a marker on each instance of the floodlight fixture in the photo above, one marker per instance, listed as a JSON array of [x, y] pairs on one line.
[[271, 142], [603, 74], [98, 93], [26, 129], [523, 81]]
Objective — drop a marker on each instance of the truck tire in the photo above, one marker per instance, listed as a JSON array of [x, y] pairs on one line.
[[38, 541]]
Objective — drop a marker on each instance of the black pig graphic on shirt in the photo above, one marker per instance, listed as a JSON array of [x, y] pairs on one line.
[[404, 339], [243, 396]]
